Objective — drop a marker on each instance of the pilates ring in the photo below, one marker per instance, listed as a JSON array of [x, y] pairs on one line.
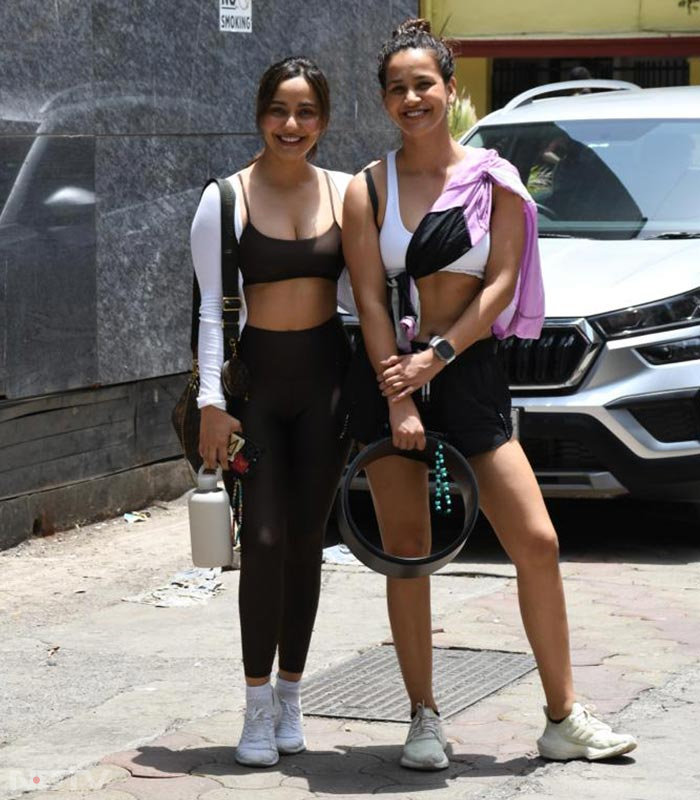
[[396, 566]]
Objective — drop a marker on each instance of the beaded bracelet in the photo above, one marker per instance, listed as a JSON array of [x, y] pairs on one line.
[[442, 483]]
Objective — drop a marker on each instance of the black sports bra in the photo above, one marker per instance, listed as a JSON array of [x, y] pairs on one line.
[[264, 259]]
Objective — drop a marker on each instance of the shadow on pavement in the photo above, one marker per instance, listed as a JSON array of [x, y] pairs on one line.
[[360, 769]]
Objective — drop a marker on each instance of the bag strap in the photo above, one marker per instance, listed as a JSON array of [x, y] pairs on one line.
[[194, 330], [372, 192], [229, 276], [231, 306]]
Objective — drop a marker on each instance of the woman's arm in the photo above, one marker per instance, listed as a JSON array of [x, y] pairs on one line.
[[403, 375], [216, 424], [364, 262]]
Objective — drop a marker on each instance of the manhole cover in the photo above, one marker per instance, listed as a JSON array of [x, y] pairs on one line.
[[370, 687]]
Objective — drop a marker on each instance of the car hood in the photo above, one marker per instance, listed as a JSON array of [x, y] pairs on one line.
[[584, 276]]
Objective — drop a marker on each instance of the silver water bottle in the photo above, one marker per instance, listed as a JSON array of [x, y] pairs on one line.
[[210, 522]]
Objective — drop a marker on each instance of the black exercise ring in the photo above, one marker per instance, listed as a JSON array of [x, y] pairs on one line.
[[386, 563]]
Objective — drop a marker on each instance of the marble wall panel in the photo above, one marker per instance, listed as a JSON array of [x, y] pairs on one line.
[[351, 151], [3, 325], [46, 63], [402, 9], [171, 69], [144, 267], [167, 68], [144, 281], [354, 73], [47, 245], [13, 151], [228, 154], [123, 65], [144, 64], [170, 100], [225, 71]]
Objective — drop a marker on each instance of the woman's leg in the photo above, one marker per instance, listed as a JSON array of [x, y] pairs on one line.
[[263, 536], [317, 457], [399, 489], [400, 492], [512, 502], [312, 482], [260, 590]]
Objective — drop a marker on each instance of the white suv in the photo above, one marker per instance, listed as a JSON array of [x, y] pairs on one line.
[[608, 397]]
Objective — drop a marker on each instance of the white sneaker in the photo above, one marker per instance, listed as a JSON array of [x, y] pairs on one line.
[[425, 743], [289, 731], [581, 735], [257, 746]]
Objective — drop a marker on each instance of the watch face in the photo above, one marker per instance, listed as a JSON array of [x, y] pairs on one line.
[[444, 350]]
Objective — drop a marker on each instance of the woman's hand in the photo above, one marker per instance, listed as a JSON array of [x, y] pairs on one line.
[[404, 375], [215, 431], [407, 431]]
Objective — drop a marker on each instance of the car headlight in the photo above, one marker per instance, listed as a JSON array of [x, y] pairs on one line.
[[671, 352], [673, 312]]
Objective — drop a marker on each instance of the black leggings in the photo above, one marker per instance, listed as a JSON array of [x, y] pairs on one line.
[[292, 414]]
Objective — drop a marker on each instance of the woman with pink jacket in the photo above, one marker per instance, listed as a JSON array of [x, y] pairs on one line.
[[453, 232]]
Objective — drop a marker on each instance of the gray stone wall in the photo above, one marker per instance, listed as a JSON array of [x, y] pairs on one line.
[[112, 116]]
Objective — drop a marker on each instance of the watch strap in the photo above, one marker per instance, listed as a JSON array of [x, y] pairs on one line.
[[435, 343]]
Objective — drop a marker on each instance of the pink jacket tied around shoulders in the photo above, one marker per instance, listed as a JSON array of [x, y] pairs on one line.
[[470, 187]]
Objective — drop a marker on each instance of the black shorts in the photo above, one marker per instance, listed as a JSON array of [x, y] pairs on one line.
[[468, 401]]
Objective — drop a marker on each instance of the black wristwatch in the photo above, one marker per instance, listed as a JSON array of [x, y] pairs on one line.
[[443, 349]]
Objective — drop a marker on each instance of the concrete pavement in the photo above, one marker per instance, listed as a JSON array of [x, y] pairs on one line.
[[108, 700]]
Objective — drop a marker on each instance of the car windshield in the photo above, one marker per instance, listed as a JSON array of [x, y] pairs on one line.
[[606, 179]]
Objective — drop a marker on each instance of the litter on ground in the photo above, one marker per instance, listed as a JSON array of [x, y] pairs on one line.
[[193, 587]]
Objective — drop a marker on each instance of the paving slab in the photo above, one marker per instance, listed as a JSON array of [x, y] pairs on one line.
[[280, 793], [181, 788], [97, 794], [97, 777]]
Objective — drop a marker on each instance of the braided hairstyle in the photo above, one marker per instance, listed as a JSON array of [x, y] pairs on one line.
[[416, 34]]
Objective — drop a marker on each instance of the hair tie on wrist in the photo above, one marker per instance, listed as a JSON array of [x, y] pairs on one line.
[[447, 459]]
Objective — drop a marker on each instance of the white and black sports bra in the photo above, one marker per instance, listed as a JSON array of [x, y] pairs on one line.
[[440, 243]]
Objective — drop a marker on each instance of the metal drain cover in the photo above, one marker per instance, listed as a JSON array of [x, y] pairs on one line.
[[370, 687]]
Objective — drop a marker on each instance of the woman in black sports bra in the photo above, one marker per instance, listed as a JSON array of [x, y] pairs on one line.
[[287, 221]]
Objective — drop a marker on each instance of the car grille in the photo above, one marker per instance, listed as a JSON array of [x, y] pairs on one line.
[[557, 360], [565, 454], [670, 420]]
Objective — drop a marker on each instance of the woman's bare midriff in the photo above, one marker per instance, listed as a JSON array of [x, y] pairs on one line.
[[291, 305], [443, 298]]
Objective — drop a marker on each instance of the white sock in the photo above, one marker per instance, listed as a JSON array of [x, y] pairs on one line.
[[259, 695], [289, 690]]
